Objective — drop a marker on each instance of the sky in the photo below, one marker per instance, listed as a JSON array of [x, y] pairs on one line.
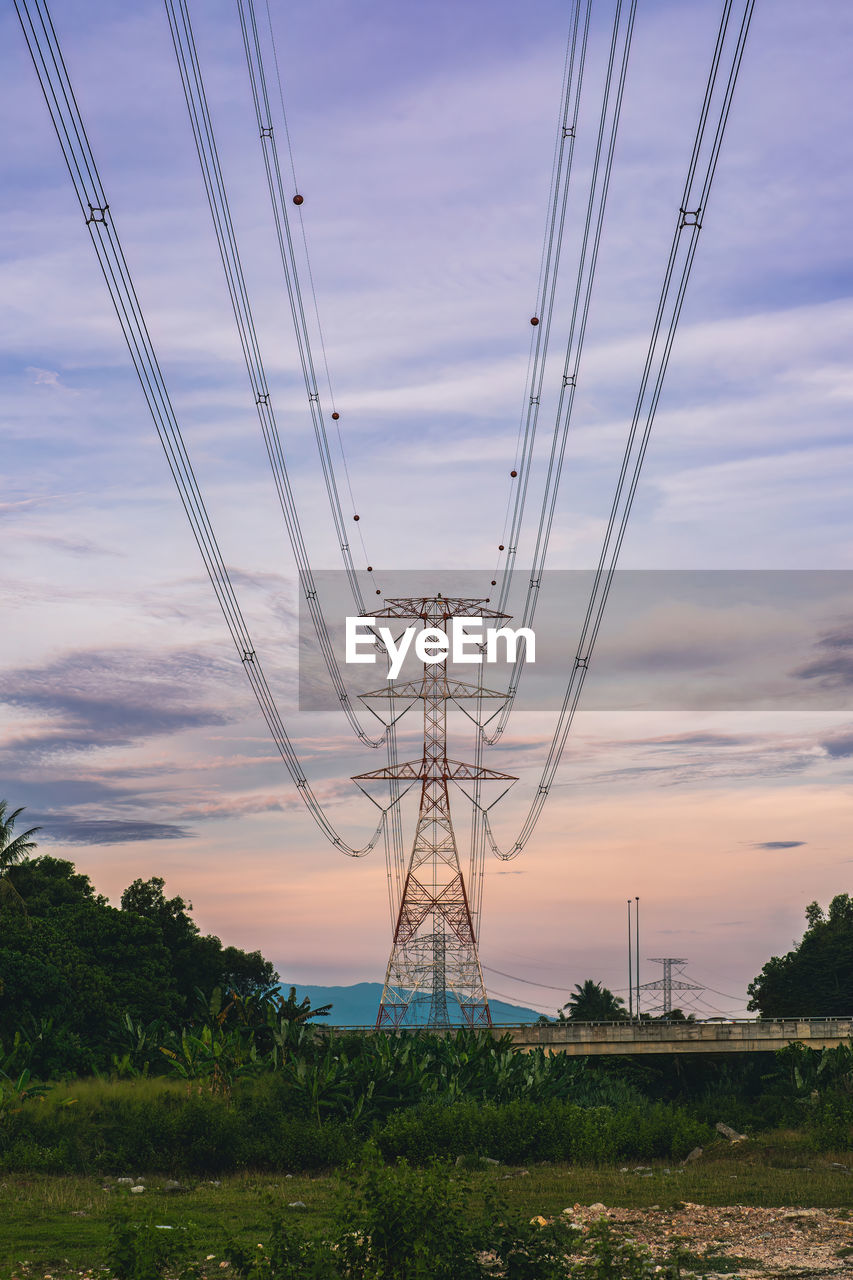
[[422, 140]]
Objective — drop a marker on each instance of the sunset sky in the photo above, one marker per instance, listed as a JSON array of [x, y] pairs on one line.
[[422, 138]]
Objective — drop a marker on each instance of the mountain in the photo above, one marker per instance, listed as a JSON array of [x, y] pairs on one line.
[[357, 1006]]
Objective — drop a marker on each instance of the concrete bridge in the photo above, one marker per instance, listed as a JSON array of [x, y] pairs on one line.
[[750, 1036]]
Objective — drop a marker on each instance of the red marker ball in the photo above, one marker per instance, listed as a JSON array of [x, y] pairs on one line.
[[379, 593], [356, 517], [501, 547], [336, 415], [301, 200], [370, 568], [513, 474], [534, 320], [494, 583]]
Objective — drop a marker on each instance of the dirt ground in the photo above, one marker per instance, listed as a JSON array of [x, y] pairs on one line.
[[746, 1241]]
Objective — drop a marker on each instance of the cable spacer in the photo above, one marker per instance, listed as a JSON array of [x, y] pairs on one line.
[[266, 130], [690, 218], [315, 396], [97, 214], [581, 664], [569, 380], [262, 398], [248, 655], [534, 399], [568, 130]]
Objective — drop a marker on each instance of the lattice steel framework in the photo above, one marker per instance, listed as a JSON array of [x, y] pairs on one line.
[[672, 965], [434, 960]]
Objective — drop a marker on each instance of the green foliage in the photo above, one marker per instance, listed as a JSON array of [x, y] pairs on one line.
[[822, 1080], [146, 1250], [197, 962], [591, 1002], [86, 968], [289, 1255], [415, 1224], [12, 849], [395, 1222], [815, 980]]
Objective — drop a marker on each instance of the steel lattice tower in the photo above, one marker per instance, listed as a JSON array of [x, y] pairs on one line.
[[434, 951], [667, 984]]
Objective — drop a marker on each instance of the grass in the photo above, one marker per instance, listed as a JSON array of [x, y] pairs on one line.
[[58, 1224]]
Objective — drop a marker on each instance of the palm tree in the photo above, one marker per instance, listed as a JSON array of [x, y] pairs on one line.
[[591, 1002], [12, 849]]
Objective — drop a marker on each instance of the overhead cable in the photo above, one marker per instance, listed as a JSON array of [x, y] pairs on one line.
[[275, 183], [280, 210], [217, 199], [706, 149], [599, 185], [608, 128], [548, 274], [53, 77]]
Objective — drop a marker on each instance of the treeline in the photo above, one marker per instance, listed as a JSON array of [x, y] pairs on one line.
[[73, 967]]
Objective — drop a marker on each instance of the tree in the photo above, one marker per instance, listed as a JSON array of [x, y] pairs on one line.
[[12, 850], [815, 980], [199, 961], [591, 1002]]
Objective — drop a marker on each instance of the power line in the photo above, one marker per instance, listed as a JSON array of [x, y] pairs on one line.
[[617, 70], [690, 213], [275, 184], [545, 986], [272, 168], [55, 83], [192, 81]]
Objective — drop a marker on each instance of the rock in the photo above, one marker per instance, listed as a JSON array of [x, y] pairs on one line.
[[794, 1214], [695, 1154], [288, 1176], [297, 1204], [489, 1160], [172, 1188], [136, 1190], [598, 1207], [728, 1132], [129, 1181], [539, 1221]]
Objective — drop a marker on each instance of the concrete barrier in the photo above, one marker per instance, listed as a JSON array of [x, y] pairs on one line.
[[749, 1036]]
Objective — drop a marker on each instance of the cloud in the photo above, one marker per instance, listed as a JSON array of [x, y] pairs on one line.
[[840, 746], [48, 378], [779, 844], [106, 830], [101, 699], [835, 670]]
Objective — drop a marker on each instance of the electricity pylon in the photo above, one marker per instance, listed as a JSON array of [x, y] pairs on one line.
[[434, 952], [667, 984]]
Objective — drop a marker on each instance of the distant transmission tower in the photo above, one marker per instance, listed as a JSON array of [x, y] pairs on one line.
[[434, 962], [667, 984]]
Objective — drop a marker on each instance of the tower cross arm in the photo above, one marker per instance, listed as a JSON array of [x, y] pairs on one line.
[[452, 770], [432, 607], [419, 689]]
